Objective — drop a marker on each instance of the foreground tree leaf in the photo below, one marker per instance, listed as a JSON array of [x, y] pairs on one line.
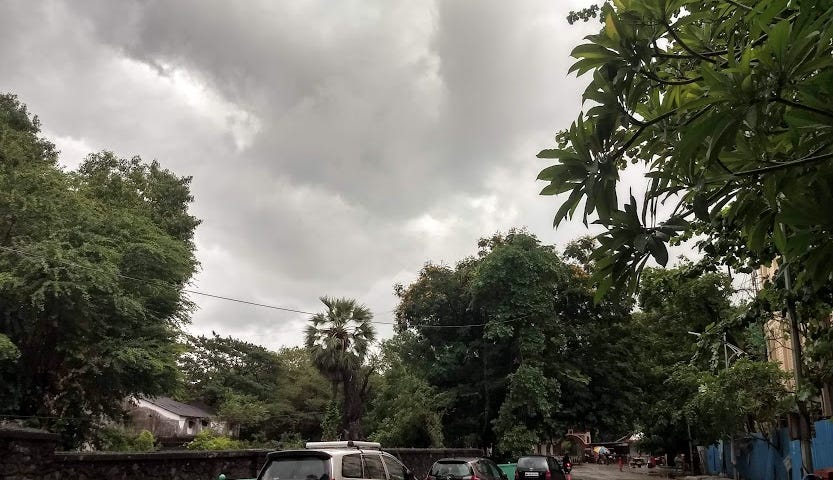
[[726, 107]]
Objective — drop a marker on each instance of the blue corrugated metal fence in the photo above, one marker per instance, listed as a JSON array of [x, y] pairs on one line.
[[823, 445], [764, 459]]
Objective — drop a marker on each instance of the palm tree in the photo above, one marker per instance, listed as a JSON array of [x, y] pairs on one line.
[[338, 341]]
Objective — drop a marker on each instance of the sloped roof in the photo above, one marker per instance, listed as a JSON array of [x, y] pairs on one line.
[[179, 408], [631, 437]]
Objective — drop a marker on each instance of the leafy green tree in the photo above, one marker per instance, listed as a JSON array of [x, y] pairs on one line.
[[243, 412], [215, 366], [673, 303], [406, 410], [525, 330], [266, 394], [338, 340], [300, 404], [748, 396], [725, 106], [92, 269]]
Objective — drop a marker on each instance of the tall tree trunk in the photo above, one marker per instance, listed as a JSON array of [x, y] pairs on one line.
[[353, 406]]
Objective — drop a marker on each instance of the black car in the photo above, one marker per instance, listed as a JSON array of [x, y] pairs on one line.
[[539, 467], [465, 469]]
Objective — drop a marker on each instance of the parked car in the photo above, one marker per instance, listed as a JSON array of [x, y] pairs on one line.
[[477, 468], [539, 467], [334, 461]]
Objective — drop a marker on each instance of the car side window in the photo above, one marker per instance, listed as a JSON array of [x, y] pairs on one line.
[[351, 466], [396, 471], [373, 467]]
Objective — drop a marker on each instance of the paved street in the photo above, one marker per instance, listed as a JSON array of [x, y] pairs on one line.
[[591, 471]]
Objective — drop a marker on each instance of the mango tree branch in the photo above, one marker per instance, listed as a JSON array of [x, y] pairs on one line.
[[802, 107], [683, 44], [782, 166]]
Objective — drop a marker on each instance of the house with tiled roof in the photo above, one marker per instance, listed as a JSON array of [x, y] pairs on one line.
[[170, 421]]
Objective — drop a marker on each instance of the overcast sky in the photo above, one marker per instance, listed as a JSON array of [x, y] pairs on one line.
[[336, 146]]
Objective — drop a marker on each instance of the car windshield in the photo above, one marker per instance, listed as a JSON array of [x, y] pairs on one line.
[[454, 469], [539, 463], [296, 468]]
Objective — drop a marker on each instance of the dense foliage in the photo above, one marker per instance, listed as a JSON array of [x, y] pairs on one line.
[[505, 335], [726, 107], [267, 397], [92, 266], [696, 386]]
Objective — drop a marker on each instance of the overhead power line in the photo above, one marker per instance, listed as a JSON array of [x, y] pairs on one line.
[[233, 299]]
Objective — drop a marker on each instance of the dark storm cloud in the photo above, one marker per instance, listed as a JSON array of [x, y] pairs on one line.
[[335, 146]]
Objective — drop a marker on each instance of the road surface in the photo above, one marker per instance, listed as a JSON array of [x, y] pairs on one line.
[[592, 471]]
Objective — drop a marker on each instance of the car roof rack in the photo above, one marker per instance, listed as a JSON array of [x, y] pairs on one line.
[[345, 444]]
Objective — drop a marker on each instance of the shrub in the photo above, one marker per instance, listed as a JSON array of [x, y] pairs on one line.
[[117, 439], [208, 440]]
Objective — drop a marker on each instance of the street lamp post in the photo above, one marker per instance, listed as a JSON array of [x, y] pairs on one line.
[[736, 351]]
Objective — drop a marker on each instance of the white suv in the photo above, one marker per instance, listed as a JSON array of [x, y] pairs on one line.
[[334, 461]]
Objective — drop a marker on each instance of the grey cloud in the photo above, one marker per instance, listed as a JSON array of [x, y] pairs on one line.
[[369, 121]]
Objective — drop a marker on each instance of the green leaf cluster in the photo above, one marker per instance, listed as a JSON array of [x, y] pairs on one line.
[[725, 106], [514, 341], [92, 268], [117, 439], [264, 395], [406, 411], [208, 440]]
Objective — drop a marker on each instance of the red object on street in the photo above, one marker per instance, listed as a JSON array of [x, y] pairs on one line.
[[621, 462], [826, 473]]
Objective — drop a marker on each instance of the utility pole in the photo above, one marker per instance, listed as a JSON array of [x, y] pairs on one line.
[[795, 343]]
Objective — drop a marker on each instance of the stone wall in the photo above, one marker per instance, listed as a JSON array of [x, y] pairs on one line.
[[169, 465], [27, 454]]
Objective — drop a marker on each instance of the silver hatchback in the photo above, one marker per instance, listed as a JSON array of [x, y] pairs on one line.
[[350, 460]]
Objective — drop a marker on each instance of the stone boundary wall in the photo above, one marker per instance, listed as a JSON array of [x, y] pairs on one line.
[[168, 465], [28, 454]]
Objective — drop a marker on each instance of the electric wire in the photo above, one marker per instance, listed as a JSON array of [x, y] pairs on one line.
[[238, 300]]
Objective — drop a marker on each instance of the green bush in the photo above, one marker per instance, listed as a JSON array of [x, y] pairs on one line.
[[208, 440], [117, 439]]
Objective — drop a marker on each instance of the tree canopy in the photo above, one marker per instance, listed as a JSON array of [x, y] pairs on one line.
[[92, 267], [725, 105], [516, 344]]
